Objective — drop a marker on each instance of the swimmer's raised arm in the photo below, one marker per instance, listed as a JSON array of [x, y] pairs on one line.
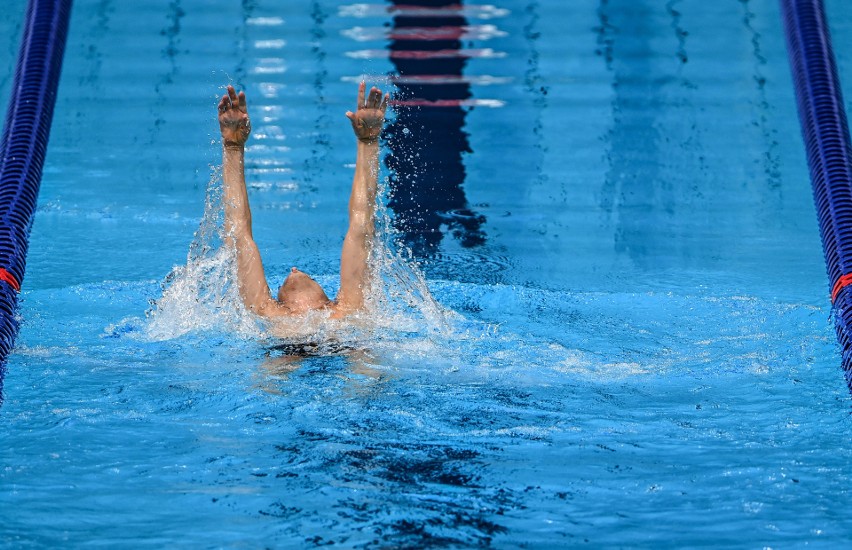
[[235, 126], [367, 122]]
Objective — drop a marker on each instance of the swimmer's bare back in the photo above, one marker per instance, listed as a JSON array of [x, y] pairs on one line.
[[300, 294]]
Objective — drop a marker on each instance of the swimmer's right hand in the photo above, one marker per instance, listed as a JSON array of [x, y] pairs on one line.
[[234, 121]]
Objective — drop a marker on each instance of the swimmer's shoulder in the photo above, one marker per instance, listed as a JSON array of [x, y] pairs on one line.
[[272, 309]]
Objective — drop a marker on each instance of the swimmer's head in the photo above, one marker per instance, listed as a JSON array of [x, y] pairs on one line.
[[300, 293]]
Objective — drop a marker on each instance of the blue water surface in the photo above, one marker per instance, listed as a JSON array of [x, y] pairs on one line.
[[608, 199]]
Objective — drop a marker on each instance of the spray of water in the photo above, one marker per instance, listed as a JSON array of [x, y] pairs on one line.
[[202, 295], [400, 297]]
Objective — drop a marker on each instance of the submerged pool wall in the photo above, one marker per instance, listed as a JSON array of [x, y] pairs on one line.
[[23, 147], [826, 136]]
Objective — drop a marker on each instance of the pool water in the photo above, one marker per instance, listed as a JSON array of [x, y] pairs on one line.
[[605, 318]]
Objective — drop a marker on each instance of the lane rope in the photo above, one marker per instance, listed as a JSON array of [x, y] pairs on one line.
[[23, 147], [825, 132]]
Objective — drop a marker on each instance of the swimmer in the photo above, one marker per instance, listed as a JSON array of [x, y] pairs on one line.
[[300, 294]]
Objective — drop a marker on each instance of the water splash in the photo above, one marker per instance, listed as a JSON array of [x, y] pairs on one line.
[[400, 296], [202, 296]]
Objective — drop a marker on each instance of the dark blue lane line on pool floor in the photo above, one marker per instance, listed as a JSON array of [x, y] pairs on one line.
[[427, 50], [23, 147], [826, 135]]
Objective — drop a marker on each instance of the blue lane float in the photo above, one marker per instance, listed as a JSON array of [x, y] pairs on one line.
[[826, 135], [23, 147]]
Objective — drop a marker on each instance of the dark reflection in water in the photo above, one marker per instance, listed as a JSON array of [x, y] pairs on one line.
[[282, 360], [410, 494], [240, 76], [94, 55], [537, 89], [770, 159], [427, 141], [317, 161], [400, 486], [655, 152], [635, 194], [170, 52]]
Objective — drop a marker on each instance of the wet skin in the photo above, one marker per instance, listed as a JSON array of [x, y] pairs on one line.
[[299, 293]]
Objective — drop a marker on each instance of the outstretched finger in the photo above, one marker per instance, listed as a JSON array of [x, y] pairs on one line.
[[361, 89], [375, 98], [232, 94], [242, 99], [384, 106]]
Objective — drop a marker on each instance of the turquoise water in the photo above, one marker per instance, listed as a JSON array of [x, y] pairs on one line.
[[633, 346]]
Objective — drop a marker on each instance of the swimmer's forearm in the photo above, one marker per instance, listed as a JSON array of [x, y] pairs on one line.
[[363, 198], [356, 245], [237, 212], [250, 274]]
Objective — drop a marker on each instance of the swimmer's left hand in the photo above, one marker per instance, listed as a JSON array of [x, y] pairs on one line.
[[369, 117]]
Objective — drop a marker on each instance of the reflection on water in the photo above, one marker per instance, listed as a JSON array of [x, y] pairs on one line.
[[633, 181], [427, 140], [646, 189], [171, 53], [536, 86], [320, 147], [668, 167], [280, 362], [763, 118]]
